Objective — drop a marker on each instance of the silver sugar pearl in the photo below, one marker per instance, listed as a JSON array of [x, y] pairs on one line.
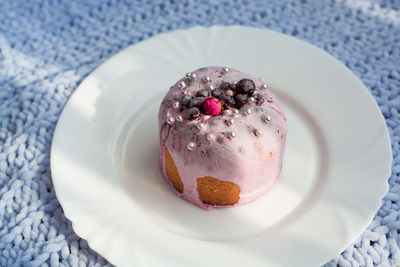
[[200, 126], [206, 79], [234, 84], [257, 132], [264, 86], [211, 87], [251, 99], [190, 146], [176, 105], [227, 112], [225, 70], [247, 112], [179, 118], [170, 120], [235, 111], [188, 75], [268, 118], [182, 84], [231, 135], [192, 76], [230, 122], [210, 136]]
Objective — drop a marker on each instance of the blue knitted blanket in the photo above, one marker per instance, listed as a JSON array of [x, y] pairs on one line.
[[48, 47]]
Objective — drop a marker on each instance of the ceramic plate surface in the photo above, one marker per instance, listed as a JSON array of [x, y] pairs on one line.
[[104, 157]]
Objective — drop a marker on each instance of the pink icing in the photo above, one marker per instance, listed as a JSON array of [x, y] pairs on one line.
[[252, 162]]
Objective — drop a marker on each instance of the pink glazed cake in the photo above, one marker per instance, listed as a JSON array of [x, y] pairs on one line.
[[222, 137]]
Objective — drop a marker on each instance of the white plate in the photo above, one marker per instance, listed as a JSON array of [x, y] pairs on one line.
[[105, 153]]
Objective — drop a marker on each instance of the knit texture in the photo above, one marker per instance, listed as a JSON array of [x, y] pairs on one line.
[[47, 47]]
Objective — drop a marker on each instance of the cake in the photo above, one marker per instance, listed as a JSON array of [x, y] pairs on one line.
[[222, 137]]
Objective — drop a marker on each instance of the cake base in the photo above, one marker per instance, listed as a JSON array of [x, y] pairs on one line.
[[212, 191]]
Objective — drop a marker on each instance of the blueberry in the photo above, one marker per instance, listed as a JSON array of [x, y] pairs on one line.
[[203, 93], [228, 100], [196, 102], [186, 100], [217, 93], [259, 99], [251, 92], [245, 86], [193, 113], [229, 92], [240, 100], [225, 86]]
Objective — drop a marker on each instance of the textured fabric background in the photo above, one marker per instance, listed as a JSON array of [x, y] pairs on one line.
[[48, 47]]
